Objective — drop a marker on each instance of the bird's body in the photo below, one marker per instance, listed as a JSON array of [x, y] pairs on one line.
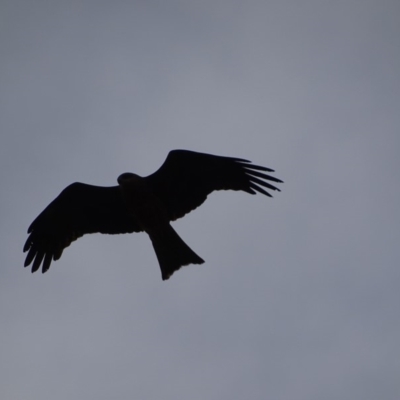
[[142, 204]]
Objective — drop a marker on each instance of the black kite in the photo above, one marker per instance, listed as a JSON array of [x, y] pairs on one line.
[[142, 204]]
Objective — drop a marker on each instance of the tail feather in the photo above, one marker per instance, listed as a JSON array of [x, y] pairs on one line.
[[172, 252]]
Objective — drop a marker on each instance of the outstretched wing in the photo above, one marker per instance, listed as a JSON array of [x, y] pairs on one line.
[[79, 209], [186, 178]]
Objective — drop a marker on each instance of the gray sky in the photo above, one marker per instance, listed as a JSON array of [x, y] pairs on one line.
[[299, 296]]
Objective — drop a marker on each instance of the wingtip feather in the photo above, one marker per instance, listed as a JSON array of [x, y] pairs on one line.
[[259, 189], [27, 245], [29, 258]]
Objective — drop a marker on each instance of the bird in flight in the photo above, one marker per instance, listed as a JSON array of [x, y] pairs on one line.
[[140, 204]]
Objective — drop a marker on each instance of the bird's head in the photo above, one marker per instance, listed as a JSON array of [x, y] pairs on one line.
[[128, 177]]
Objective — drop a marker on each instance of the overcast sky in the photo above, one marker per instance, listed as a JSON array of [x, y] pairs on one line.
[[299, 296]]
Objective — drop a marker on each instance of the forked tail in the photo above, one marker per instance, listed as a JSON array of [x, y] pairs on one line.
[[172, 252]]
